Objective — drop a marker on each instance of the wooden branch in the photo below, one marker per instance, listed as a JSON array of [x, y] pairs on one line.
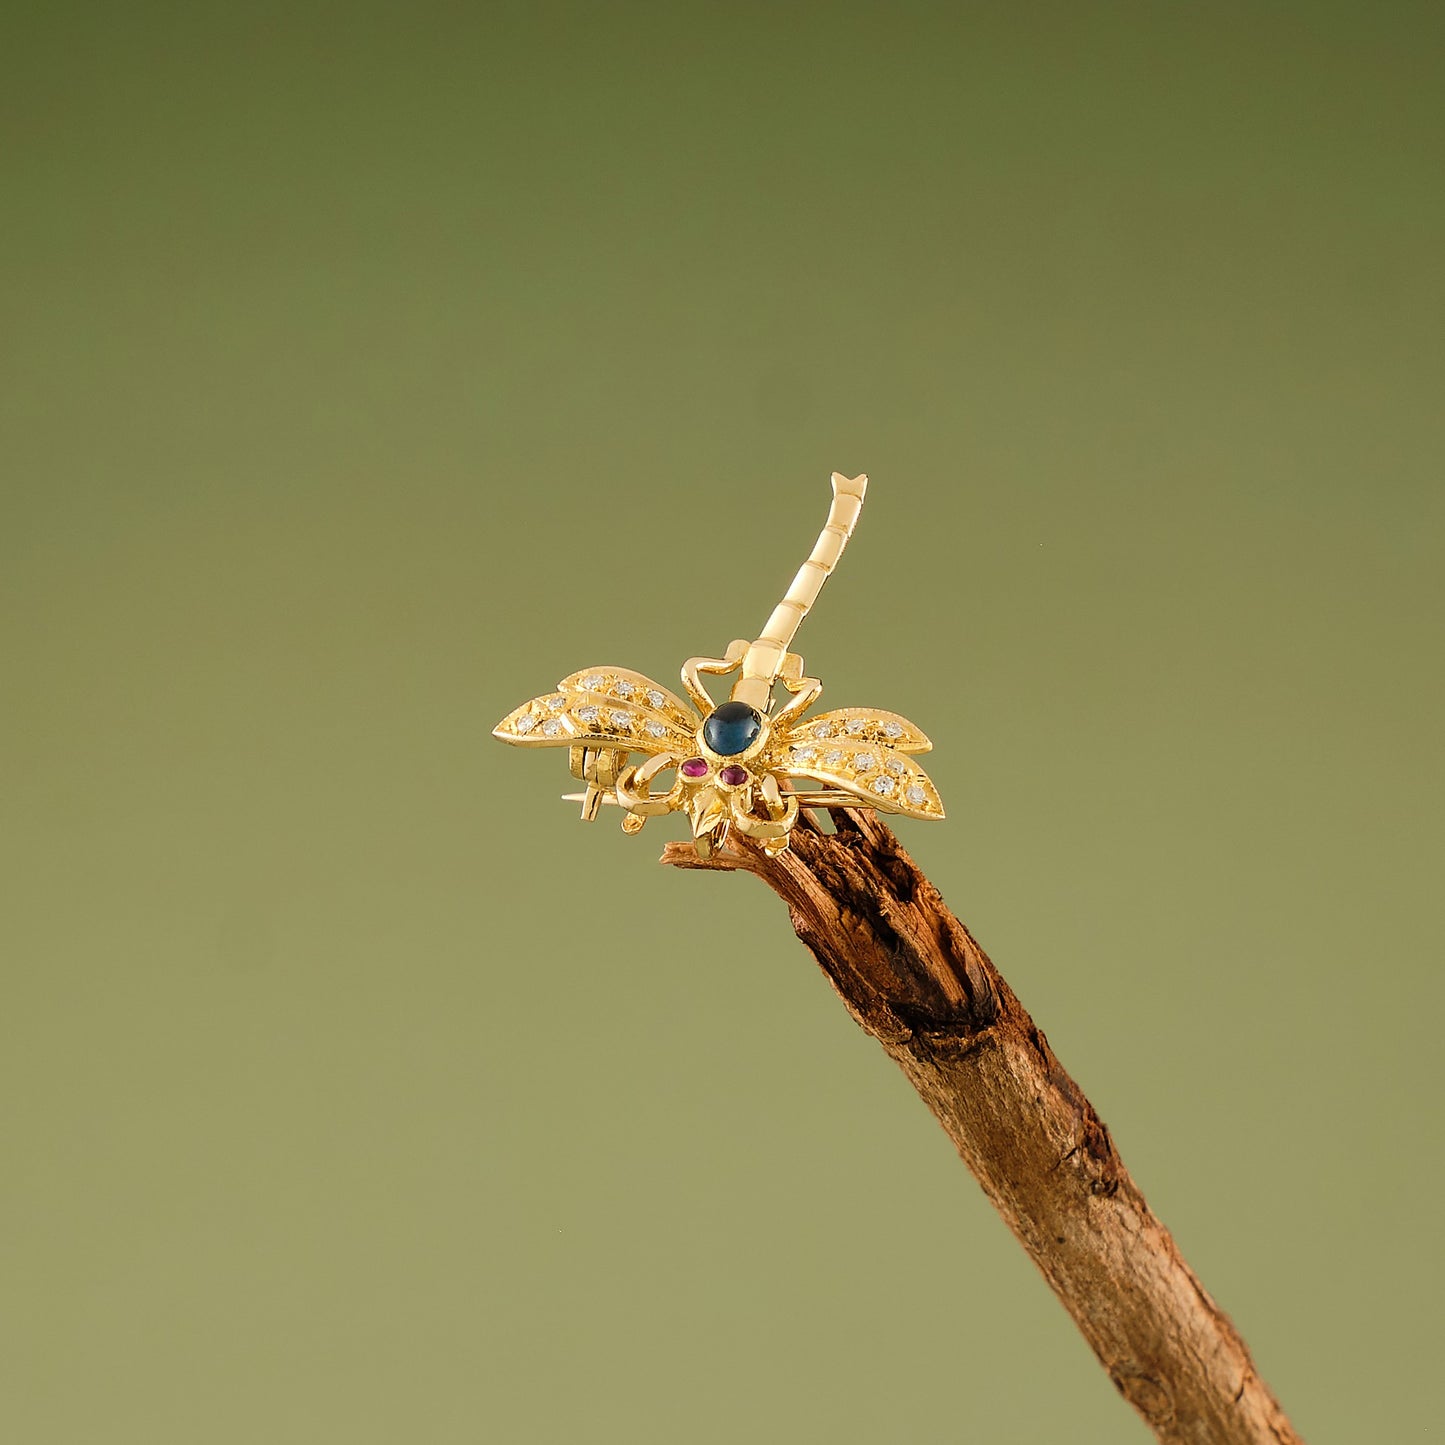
[[913, 977]]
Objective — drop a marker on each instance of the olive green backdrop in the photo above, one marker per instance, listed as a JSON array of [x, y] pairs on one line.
[[368, 368]]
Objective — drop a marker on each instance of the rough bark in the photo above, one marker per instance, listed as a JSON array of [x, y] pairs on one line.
[[913, 977]]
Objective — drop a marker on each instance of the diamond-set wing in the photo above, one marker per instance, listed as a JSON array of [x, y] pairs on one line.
[[878, 774], [862, 724], [866, 751], [633, 689], [623, 709]]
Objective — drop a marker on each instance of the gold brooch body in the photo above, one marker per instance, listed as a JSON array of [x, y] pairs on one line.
[[750, 762]]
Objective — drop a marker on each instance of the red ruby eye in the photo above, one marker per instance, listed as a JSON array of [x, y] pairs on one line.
[[694, 768], [733, 775]]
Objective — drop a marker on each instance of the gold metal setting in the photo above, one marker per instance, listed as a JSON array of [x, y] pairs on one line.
[[863, 757]]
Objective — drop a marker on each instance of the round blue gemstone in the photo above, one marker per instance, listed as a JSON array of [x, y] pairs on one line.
[[732, 728]]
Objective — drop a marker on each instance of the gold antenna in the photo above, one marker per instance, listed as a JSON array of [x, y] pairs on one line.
[[763, 660]]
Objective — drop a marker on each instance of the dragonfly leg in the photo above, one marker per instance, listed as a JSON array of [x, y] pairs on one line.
[[717, 666], [781, 813], [634, 790], [805, 692]]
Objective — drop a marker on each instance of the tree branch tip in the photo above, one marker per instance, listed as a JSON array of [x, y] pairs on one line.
[[685, 855]]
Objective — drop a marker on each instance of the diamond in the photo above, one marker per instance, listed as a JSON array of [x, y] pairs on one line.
[[897, 766], [916, 795], [619, 718], [557, 703], [587, 714], [552, 727], [892, 730], [593, 682], [833, 757], [804, 755], [883, 784], [857, 724], [526, 723], [864, 762], [623, 688], [822, 730], [657, 699], [657, 729]]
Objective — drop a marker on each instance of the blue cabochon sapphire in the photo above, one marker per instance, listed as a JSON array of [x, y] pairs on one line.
[[732, 728]]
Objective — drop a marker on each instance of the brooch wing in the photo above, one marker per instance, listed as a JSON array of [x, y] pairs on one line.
[[867, 753], [603, 707], [863, 724]]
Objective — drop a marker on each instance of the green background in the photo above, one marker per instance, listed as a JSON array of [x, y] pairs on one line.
[[368, 368]]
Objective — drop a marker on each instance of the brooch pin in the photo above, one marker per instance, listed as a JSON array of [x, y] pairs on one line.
[[736, 764]]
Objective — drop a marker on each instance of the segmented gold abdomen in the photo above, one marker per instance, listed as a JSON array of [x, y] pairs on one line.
[[764, 659]]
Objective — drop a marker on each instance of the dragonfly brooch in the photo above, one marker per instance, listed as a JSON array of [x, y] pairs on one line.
[[749, 763]]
